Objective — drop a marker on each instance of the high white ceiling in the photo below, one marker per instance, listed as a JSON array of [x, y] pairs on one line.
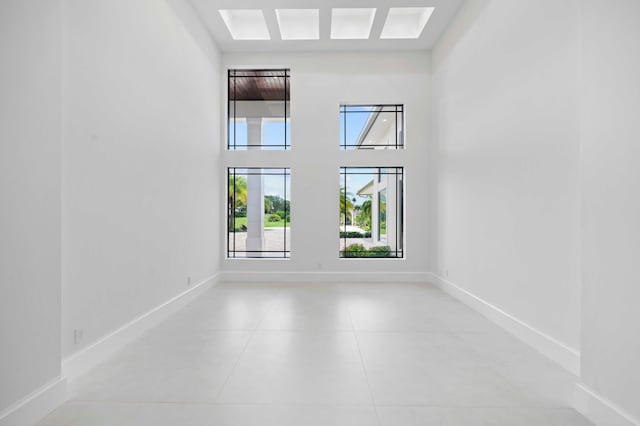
[[208, 10]]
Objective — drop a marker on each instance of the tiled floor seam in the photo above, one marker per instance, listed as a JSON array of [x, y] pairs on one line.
[[364, 368], [244, 349]]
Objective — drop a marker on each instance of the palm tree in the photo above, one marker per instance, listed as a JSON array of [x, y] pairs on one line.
[[238, 190], [364, 217], [268, 205], [345, 203]]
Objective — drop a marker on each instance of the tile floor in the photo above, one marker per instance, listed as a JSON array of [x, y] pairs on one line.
[[325, 355]]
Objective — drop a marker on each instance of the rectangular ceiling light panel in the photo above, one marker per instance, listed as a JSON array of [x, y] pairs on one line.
[[352, 23], [406, 22], [299, 24], [245, 24]]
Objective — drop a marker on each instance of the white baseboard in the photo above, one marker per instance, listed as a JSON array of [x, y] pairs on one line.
[[329, 277], [600, 410], [35, 406], [562, 354], [101, 350]]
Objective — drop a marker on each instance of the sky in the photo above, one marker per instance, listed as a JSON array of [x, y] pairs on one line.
[[355, 182], [274, 185], [355, 123], [272, 134]]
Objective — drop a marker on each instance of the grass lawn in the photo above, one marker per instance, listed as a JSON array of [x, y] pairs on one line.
[[243, 221]]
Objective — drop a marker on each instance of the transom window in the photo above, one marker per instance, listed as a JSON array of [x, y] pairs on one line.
[[371, 127], [259, 110]]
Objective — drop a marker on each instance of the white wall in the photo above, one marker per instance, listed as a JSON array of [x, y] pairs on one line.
[[320, 82], [610, 135], [140, 204], [30, 46], [506, 187]]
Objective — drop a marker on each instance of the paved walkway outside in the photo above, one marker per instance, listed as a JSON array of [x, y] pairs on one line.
[[274, 239]]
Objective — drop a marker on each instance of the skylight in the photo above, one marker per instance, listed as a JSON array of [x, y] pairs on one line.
[[299, 24], [351, 23], [246, 24], [406, 22]]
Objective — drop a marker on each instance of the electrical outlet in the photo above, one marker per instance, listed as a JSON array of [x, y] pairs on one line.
[[78, 336], [188, 281]]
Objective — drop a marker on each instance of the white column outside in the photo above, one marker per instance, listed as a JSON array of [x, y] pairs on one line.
[[375, 209], [392, 210], [255, 196]]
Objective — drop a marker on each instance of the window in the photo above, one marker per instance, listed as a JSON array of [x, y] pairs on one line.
[[259, 110], [371, 127], [371, 212], [259, 215], [259, 205]]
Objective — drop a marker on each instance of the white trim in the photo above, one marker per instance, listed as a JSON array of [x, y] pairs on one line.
[[35, 406], [564, 355], [101, 350], [329, 277], [600, 410]]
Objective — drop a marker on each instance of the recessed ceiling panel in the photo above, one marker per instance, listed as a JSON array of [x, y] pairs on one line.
[[351, 23], [245, 24], [299, 24], [342, 36], [406, 22]]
